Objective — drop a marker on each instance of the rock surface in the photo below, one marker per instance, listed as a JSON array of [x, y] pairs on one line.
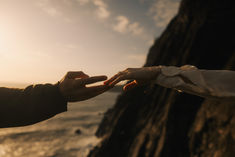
[[159, 122]]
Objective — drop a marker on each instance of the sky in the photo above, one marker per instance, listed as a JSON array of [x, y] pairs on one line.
[[40, 40]]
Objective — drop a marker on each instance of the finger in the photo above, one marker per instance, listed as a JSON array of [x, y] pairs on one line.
[[89, 92], [112, 78], [130, 85], [94, 79], [96, 89], [90, 80], [76, 74], [117, 80]]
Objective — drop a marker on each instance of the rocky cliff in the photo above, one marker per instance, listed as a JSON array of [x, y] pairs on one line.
[[159, 122]]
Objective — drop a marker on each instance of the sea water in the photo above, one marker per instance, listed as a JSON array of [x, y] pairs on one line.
[[69, 134]]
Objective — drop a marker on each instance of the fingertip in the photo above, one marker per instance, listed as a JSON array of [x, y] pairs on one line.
[[130, 85], [126, 87], [86, 76], [106, 82], [100, 78], [105, 77]]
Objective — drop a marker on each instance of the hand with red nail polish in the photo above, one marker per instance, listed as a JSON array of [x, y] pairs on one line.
[[139, 75]]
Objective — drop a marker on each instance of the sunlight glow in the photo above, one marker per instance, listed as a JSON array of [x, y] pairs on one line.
[[2, 42], [37, 46]]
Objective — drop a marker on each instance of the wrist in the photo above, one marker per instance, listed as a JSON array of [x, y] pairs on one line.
[[60, 90], [155, 71]]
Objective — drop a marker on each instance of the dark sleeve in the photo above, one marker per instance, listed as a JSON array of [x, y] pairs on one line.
[[20, 107]]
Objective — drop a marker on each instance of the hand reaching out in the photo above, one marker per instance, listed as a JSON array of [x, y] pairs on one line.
[[73, 86], [139, 75]]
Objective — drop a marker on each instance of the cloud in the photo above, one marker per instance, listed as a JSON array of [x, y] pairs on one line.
[[124, 25], [142, 1], [52, 11], [81, 2], [162, 11], [56, 8], [121, 24], [49, 9], [102, 9], [136, 29]]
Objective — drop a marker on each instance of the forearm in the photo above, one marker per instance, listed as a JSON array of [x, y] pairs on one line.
[[20, 107]]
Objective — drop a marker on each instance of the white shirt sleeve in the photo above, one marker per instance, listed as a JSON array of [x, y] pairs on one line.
[[216, 84]]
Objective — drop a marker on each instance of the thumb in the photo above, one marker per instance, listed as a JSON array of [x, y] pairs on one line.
[[130, 85]]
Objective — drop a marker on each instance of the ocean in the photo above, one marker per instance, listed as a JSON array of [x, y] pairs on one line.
[[69, 134]]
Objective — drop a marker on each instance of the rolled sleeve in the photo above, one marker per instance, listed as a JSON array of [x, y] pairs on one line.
[[217, 84]]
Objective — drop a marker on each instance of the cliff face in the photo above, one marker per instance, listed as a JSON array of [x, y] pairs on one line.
[[159, 122]]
